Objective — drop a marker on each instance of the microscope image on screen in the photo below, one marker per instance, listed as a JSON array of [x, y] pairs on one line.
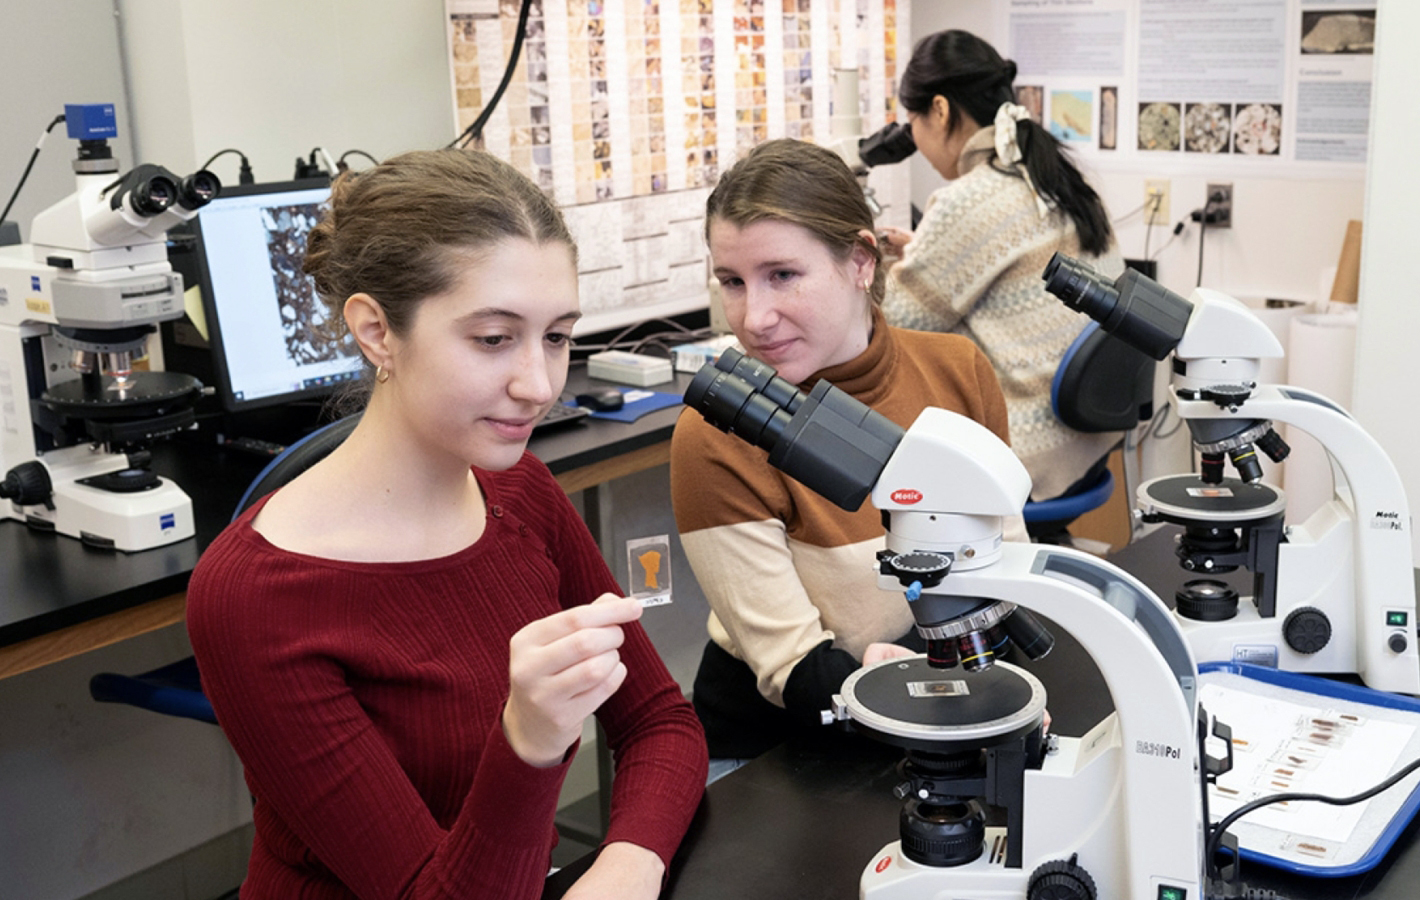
[[265, 344], [302, 314]]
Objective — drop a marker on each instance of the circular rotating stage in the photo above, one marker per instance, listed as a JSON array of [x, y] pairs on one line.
[[907, 703], [1187, 499]]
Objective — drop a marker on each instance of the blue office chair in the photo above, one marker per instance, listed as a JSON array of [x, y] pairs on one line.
[[176, 689], [1101, 385]]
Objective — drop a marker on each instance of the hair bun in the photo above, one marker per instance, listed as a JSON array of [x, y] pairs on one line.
[[1008, 71]]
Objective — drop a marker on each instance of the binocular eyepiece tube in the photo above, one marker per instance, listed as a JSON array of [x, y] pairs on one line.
[[1138, 310], [149, 190], [833, 444], [890, 144]]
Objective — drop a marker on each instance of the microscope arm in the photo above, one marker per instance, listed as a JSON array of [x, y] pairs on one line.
[[1145, 661], [1376, 490]]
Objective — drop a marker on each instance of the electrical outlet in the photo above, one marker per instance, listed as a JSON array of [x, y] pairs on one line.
[[1220, 205], [1156, 201]]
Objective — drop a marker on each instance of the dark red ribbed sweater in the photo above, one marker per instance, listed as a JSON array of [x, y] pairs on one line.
[[365, 699]]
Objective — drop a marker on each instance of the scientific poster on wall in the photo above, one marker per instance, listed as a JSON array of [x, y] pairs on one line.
[[1211, 76], [626, 111], [1337, 46], [1069, 64], [1272, 80]]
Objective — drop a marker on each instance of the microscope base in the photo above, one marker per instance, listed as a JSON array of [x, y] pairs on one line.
[[129, 522], [1074, 807], [1369, 621]]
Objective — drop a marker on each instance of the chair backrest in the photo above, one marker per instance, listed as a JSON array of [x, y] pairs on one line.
[[1103, 384], [297, 458]]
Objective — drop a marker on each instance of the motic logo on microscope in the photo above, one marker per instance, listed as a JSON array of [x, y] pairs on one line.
[[1153, 748], [1387, 521], [906, 496]]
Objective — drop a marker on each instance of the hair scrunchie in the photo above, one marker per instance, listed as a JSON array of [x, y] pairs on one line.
[[1008, 114]]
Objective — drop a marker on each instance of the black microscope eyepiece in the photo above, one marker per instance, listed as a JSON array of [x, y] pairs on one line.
[[890, 144], [743, 396], [1080, 288], [198, 189], [1138, 310], [832, 443]]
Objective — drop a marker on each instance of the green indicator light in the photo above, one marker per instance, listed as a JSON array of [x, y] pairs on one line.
[[1397, 618], [1172, 893]]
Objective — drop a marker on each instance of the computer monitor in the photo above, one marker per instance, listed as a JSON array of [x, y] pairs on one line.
[[262, 313]]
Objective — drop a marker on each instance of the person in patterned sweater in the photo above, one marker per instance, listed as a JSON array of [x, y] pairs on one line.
[[402, 644], [973, 265], [789, 577]]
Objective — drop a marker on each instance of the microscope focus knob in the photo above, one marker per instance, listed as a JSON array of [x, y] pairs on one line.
[[1397, 642], [1061, 879], [27, 484], [1306, 629]]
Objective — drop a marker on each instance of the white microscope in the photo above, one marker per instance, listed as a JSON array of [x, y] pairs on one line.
[[76, 305], [1117, 813], [1335, 594], [890, 144]]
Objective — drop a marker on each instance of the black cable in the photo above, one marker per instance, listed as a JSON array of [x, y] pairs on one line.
[[24, 176], [1177, 230], [1160, 419], [1203, 217], [340, 163], [244, 174], [684, 333], [1149, 222], [475, 130], [1202, 233], [1215, 835]]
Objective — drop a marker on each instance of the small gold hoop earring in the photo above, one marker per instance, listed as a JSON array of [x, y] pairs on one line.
[[382, 374]]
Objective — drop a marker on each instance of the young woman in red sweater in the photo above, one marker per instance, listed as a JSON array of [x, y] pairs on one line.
[[403, 643]]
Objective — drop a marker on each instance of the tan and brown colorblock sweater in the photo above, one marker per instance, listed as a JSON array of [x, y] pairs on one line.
[[789, 575]]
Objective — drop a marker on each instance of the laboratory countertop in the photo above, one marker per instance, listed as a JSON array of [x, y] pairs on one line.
[[50, 582]]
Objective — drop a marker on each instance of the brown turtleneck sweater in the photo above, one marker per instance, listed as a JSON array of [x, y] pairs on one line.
[[789, 576]]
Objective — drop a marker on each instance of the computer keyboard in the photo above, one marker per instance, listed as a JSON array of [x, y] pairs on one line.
[[561, 414]]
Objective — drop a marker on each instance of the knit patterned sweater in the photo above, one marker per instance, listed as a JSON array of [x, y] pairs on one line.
[[365, 702], [974, 268], [789, 576]]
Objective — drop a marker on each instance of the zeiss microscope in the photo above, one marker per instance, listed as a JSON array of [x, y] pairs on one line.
[[1334, 594], [1116, 813], [77, 304]]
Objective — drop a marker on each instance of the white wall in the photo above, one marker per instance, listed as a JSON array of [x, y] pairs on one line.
[[51, 60], [276, 79], [1385, 402]]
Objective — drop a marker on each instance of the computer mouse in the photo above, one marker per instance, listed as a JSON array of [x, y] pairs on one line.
[[601, 399]]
